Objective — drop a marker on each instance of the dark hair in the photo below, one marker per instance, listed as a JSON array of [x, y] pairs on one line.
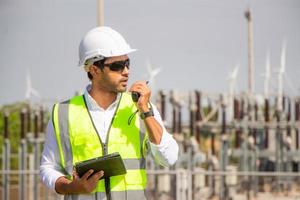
[[90, 75], [99, 64]]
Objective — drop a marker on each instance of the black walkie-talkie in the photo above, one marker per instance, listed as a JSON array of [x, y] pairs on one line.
[[135, 95]]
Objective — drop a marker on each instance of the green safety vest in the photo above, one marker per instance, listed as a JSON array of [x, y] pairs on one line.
[[78, 140]]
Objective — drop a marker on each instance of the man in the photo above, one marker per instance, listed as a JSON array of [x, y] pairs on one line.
[[105, 120]]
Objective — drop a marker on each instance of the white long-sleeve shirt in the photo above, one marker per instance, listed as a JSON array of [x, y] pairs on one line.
[[166, 153]]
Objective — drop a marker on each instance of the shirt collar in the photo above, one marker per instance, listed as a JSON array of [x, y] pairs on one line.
[[92, 104]]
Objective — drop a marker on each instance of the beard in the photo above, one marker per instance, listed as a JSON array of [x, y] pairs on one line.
[[113, 85], [121, 88], [122, 85], [116, 87]]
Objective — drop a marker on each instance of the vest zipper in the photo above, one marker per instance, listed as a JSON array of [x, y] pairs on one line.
[[104, 149], [107, 182], [104, 145]]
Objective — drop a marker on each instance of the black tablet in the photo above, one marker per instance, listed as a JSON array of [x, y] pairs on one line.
[[111, 164]]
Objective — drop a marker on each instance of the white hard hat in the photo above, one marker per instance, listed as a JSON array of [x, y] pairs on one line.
[[102, 42]]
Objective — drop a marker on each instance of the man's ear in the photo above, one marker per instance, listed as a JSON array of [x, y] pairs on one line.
[[94, 70]]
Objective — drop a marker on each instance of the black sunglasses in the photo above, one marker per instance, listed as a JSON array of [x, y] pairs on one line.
[[118, 66]]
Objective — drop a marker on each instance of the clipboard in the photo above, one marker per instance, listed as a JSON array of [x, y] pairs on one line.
[[111, 164]]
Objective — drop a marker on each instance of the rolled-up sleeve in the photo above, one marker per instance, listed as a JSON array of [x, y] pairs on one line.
[[165, 153]]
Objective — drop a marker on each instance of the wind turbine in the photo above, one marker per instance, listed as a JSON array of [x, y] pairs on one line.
[[152, 73], [281, 72], [232, 82], [30, 91], [283, 75]]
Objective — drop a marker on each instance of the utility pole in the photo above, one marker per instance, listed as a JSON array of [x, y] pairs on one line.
[[100, 13], [250, 52]]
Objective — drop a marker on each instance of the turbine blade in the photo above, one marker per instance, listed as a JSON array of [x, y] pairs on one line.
[[148, 66], [283, 58], [155, 72]]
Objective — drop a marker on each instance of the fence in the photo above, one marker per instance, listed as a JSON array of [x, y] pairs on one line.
[[179, 184], [242, 151]]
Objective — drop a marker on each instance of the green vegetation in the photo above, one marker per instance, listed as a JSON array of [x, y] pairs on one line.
[[13, 111]]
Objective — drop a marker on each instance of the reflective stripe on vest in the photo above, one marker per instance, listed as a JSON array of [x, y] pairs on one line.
[[62, 135], [78, 140]]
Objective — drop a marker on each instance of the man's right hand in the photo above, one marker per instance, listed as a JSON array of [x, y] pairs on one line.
[[86, 184]]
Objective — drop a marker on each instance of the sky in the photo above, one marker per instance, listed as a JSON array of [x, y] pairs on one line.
[[196, 43]]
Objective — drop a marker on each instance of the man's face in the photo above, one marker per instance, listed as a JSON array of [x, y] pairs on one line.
[[113, 77]]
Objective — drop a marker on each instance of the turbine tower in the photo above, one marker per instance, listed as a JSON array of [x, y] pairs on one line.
[[281, 73]]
